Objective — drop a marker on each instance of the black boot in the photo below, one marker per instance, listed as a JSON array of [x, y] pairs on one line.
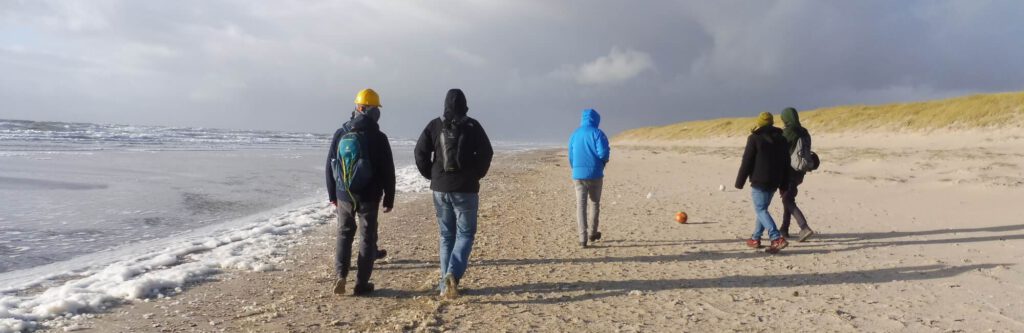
[[364, 289]]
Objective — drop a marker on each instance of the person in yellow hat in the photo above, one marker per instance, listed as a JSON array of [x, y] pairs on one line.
[[360, 178], [766, 165]]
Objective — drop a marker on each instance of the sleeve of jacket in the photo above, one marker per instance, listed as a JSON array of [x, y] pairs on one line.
[[387, 172], [603, 151], [484, 151], [331, 186], [424, 152], [806, 149], [747, 165]]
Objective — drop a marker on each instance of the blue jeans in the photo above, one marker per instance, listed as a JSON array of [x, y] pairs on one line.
[[763, 198], [456, 219]]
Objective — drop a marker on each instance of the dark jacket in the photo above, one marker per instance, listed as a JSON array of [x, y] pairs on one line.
[[379, 151], [765, 160], [474, 153], [588, 148], [794, 132]]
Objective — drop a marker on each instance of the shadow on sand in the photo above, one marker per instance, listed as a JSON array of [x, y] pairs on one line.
[[850, 237], [601, 289], [836, 243]]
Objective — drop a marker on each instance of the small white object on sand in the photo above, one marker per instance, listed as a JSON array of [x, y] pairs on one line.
[[721, 188], [650, 195]]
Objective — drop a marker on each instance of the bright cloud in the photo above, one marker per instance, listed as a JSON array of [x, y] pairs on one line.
[[618, 66]]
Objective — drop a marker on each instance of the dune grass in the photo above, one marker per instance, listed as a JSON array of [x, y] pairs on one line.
[[960, 113]]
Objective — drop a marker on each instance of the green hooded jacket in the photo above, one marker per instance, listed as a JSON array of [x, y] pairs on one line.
[[792, 130]]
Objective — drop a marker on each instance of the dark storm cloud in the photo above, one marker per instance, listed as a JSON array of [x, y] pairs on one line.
[[528, 67]]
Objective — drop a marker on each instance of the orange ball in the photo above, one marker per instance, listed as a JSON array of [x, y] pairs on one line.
[[681, 217]]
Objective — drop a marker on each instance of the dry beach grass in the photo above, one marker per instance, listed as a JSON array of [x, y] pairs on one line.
[[985, 111]]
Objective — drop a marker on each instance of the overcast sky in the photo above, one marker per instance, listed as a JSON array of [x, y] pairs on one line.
[[528, 67]]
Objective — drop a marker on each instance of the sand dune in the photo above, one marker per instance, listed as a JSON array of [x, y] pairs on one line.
[[980, 113]]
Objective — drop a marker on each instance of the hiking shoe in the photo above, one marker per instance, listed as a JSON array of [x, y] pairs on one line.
[[451, 287], [339, 286], [805, 234], [596, 236], [754, 243], [777, 245], [583, 244], [381, 254], [785, 234], [361, 290]]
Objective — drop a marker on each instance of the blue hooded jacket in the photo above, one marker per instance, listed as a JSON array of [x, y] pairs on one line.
[[588, 148]]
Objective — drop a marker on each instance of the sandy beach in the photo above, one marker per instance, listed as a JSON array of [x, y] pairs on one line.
[[917, 236], [168, 166]]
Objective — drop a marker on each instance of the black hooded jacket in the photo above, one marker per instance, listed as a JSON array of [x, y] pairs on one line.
[[474, 153], [379, 151], [765, 160]]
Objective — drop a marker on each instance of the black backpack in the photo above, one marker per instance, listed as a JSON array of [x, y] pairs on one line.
[[452, 139]]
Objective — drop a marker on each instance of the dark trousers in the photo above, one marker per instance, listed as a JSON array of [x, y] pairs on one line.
[[367, 227], [789, 209]]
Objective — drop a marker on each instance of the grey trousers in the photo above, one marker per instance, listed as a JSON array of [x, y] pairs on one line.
[[347, 227], [588, 190]]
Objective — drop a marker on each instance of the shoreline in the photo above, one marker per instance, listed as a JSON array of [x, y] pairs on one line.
[[893, 253]]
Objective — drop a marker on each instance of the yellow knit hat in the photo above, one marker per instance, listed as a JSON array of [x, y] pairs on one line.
[[764, 119]]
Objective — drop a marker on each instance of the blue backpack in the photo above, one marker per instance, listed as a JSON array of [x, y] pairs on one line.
[[352, 170]]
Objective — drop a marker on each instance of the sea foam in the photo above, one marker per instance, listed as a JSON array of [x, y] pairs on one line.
[[258, 246]]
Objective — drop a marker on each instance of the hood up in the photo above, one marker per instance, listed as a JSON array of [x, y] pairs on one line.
[[590, 118], [790, 117], [454, 105], [792, 129]]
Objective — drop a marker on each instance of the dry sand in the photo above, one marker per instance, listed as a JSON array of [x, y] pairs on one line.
[[918, 238]]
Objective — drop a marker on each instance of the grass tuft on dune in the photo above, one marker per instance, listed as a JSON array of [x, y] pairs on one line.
[[982, 111]]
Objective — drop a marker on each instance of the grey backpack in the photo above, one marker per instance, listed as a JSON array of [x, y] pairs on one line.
[[802, 158]]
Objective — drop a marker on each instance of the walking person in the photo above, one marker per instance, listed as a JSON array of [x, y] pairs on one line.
[[360, 179], [766, 164], [588, 155], [797, 137], [454, 153]]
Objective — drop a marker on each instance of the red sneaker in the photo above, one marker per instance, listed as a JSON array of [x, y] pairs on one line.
[[754, 243], [777, 245]]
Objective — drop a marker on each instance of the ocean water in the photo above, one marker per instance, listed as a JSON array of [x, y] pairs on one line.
[[73, 189], [92, 215]]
